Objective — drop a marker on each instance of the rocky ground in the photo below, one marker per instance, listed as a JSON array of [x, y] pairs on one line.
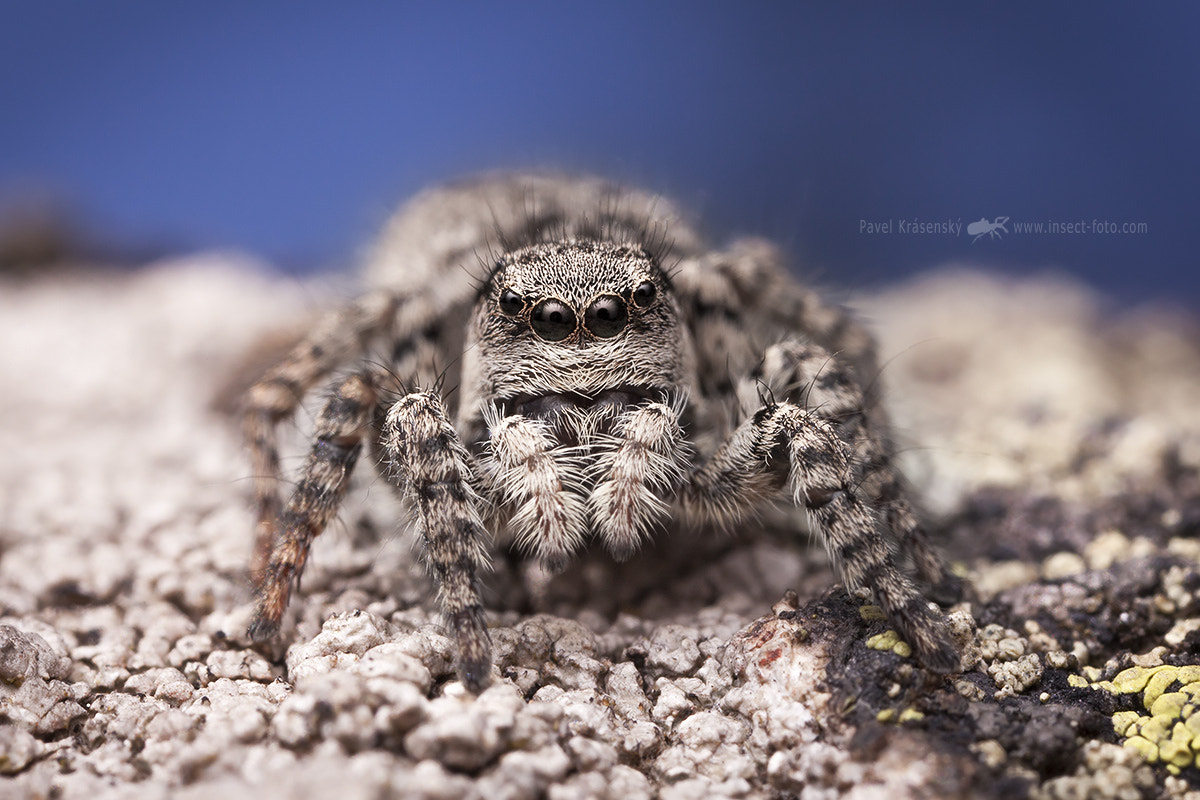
[[1056, 443]]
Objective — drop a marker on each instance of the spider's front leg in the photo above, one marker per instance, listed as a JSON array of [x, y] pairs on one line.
[[433, 466], [785, 445], [823, 382]]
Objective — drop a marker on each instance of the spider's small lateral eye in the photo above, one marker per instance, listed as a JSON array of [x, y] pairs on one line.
[[553, 320], [511, 303], [644, 294], [606, 316]]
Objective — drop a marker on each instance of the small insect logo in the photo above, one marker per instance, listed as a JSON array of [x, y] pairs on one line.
[[984, 228]]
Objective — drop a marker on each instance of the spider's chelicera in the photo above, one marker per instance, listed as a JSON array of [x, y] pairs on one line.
[[600, 397]]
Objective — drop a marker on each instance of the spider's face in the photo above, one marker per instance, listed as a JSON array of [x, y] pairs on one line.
[[575, 325]]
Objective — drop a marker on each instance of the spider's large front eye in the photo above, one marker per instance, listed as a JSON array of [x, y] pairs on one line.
[[606, 316], [511, 303], [644, 294], [553, 320]]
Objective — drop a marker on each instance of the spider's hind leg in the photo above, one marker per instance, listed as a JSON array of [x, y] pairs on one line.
[[277, 395], [340, 428]]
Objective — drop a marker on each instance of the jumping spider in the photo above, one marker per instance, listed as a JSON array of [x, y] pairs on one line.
[[602, 391]]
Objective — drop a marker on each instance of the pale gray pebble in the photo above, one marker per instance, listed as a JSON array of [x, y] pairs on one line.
[[100, 679], [238, 664], [429, 780], [571, 648], [540, 723], [584, 786], [466, 733], [115, 648], [673, 650], [347, 637], [165, 683], [348, 707], [174, 692], [626, 783], [149, 681], [60, 643], [395, 660], [171, 725], [620, 783], [297, 722], [625, 628], [584, 709], [527, 644], [350, 633], [710, 745], [591, 755], [524, 678], [624, 686], [162, 625], [573, 670], [190, 647], [672, 702], [1016, 676], [702, 789], [704, 731], [117, 716], [112, 759], [17, 749], [237, 709], [641, 739], [547, 650], [524, 775], [28, 655], [33, 696], [713, 679]]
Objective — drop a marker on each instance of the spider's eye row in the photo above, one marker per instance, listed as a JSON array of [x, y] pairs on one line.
[[644, 294], [553, 320], [511, 303], [606, 316]]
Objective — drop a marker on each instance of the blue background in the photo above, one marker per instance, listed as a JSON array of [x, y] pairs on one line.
[[291, 129]]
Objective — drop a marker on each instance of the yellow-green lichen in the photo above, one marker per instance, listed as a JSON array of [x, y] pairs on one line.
[[1169, 732], [889, 715], [1145, 747], [1158, 683], [1077, 681], [1155, 728], [1170, 704], [1122, 720], [890, 640]]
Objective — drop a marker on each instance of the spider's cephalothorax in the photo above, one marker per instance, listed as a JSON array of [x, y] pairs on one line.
[[575, 352], [598, 398]]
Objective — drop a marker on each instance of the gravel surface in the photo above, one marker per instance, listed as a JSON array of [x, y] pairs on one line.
[[1057, 445]]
